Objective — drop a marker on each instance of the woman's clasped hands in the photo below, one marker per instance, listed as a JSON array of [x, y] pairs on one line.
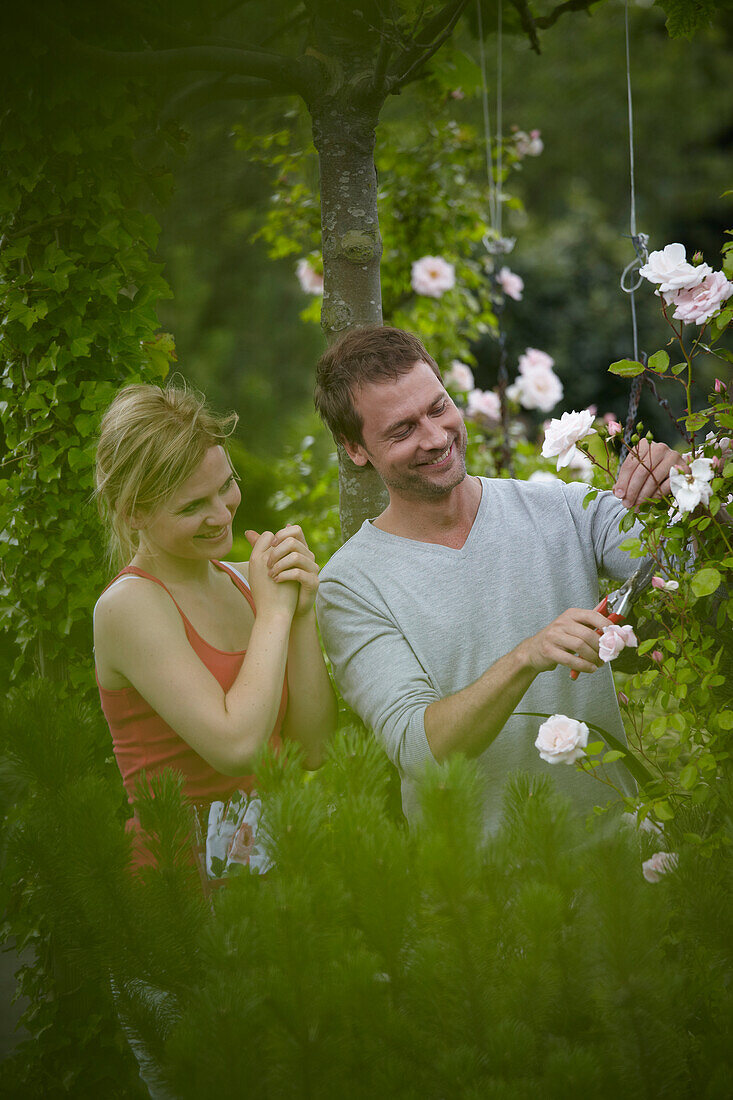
[[283, 573]]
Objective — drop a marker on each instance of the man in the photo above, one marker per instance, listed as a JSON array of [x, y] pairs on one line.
[[468, 598]]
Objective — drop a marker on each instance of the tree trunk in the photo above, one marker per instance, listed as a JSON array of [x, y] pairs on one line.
[[344, 137]]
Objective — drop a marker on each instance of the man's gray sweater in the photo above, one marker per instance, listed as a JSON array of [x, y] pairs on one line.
[[406, 623]]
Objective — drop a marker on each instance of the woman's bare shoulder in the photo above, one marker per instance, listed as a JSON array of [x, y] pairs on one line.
[[130, 595]]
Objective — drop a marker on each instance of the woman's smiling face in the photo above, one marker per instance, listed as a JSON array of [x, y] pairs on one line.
[[195, 522]]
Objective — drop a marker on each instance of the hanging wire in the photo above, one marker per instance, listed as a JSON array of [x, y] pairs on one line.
[[640, 242], [493, 242], [487, 124], [499, 109]]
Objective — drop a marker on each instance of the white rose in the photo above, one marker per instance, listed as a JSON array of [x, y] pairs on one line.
[[459, 377], [670, 269], [580, 465], [537, 388], [432, 276], [692, 488], [528, 144], [562, 435], [613, 639], [659, 864], [310, 280], [562, 740], [484, 405]]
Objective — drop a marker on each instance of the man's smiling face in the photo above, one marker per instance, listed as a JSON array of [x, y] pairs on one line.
[[412, 433]]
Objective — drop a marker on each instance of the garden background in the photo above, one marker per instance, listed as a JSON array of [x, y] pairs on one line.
[[154, 207]]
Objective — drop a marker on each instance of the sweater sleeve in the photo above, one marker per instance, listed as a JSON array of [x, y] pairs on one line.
[[377, 672], [599, 524]]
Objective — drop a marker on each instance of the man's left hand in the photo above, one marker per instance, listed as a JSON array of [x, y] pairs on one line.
[[644, 474]]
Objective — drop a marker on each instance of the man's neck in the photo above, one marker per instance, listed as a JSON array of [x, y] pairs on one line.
[[446, 521]]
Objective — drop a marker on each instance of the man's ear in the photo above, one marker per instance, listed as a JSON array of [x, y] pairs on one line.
[[356, 451]]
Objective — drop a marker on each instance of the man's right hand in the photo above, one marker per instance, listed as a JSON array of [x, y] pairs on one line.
[[570, 640]]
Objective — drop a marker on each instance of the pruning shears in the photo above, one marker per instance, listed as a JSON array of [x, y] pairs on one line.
[[615, 606]]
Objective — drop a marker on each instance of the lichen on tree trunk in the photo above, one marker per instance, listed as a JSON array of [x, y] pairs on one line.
[[343, 133]]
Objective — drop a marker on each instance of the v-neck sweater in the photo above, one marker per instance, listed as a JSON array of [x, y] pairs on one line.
[[406, 623]]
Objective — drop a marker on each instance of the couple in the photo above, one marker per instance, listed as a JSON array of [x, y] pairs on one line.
[[463, 599]]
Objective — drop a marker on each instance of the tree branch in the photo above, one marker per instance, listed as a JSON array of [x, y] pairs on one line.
[[545, 21], [286, 72], [213, 91], [435, 33], [380, 69], [529, 25]]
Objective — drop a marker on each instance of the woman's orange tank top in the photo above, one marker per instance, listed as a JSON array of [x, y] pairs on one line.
[[142, 741]]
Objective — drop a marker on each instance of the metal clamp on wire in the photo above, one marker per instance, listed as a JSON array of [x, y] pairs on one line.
[[640, 242]]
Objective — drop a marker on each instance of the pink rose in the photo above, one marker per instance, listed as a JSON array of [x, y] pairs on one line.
[[484, 405], [668, 586], [697, 304], [720, 387], [511, 284], [613, 428], [613, 639], [562, 740], [659, 864], [459, 377], [657, 656], [534, 358], [432, 276]]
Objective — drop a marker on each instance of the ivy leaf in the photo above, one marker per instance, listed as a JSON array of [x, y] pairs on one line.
[[684, 17]]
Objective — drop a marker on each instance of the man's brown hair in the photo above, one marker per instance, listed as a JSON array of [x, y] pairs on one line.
[[372, 353]]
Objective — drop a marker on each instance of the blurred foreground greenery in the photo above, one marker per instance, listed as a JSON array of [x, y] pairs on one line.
[[372, 961]]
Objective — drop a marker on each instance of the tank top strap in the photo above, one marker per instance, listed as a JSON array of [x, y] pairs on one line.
[[133, 571], [239, 580]]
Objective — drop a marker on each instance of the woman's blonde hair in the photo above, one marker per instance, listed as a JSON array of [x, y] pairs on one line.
[[151, 440]]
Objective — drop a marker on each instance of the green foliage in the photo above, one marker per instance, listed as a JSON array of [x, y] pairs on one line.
[[685, 17], [77, 294], [373, 961], [63, 850], [376, 962]]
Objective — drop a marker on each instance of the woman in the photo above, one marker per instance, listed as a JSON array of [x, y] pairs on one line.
[[199, 662]]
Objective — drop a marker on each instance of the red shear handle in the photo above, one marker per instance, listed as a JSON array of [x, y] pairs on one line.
[[612, 617]]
